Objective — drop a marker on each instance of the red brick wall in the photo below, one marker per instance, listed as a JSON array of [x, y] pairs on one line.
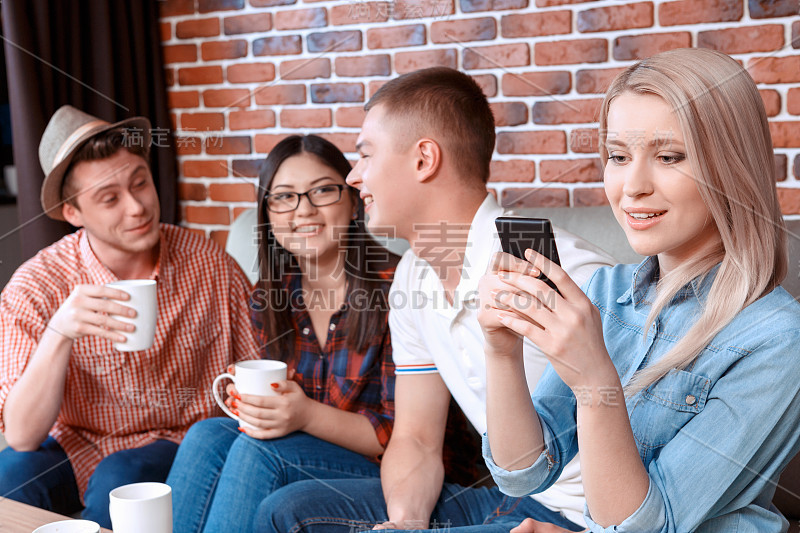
[[245, 73]]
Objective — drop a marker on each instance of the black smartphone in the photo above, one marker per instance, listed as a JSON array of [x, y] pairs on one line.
[[517, 234]]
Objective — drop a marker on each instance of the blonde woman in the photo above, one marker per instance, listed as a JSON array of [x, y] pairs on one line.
[[676, 378]]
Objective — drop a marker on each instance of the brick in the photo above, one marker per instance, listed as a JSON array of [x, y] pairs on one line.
[[595, 81], [509, 113], [271, 3], [251, 72], [183, 99], [797, 166], [480, 29], [239, 210], [304, 69], [280, 95], [785, 134], [360, 13], [227, 145], [584, 141], [205, 169], [569, 52], [743, 40], [501, 55], [551, 3], [207, 6], [169, 76], [306, 118], [471, 6], [487, 83], [534, 197], [571, 170], [202, 214], [246, 168], [789, 200], [792, 101], [536, 83], [202, 121], [415, 9], [331, 93], [536, 24], [250, 23], [231, 49], [232, 192], [412, 35], [532, 142], [173, 8], [188, 145], [760, 9], [698, 11], [515, 170], [200, 232], [772, 101], [191, 191], [179, 53], [220, 237], [189, 29], [251, 120], [358, 66], [226, 98], [334, 41], [411, 61], [375, 85], [299, 19], [780, 167], [346, 142], [642, 46], [200, 75], [278, 46], [611, 18], [265, 142], [775, 69], [796, 34], [165, 31], [350, 117], [566, 111], [587, 197]]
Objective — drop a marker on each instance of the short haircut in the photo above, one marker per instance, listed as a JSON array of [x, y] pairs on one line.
[[449, 107], [102, 146]]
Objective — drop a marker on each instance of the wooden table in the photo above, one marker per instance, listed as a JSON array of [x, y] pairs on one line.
[[18, 517]]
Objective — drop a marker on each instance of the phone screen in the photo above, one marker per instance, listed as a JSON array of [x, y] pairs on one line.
[[517, 234]]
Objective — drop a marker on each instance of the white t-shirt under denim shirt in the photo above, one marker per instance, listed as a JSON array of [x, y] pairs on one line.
[[430, 335], [713, 437]]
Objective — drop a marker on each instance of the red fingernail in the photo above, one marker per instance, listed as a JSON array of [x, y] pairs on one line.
[[234, 404], [234, 411], [241, 429], [273, 385], [237, 396]]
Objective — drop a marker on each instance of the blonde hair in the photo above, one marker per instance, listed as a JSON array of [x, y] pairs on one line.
[[729, 147]]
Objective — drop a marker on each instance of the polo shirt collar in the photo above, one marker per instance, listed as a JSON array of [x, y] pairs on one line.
[[482, 242]]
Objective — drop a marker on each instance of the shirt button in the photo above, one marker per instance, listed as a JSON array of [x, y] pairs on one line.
[[332, 327], [306, 331], [690, 400], [319, 387]]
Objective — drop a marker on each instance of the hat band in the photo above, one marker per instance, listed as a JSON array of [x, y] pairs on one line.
[[77, 134]]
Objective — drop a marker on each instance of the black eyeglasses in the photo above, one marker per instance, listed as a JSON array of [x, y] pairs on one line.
[[283, 202]]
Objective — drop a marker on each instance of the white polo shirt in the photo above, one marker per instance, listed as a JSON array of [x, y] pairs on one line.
[[431, 335]]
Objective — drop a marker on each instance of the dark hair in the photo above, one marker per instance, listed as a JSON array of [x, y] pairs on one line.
[[365, 258], [102, 146], [450, 106]]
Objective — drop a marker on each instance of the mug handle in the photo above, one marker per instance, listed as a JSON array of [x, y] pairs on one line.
[[215, 392]]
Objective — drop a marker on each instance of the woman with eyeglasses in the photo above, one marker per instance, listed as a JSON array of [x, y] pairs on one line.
[[320, 306]]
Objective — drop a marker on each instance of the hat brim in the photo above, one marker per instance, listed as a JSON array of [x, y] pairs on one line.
[[51, 187]]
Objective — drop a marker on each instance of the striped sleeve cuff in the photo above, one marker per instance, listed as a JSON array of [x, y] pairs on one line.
[[424, 368]]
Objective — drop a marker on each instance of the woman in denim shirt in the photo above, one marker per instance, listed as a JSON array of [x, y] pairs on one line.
[[675, 378]]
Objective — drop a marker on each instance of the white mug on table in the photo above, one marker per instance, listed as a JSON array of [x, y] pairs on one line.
[[141, 508]]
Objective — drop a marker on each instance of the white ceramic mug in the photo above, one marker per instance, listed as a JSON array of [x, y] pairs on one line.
[[144, 299], [141, 508], [69, 526], [251, 377]]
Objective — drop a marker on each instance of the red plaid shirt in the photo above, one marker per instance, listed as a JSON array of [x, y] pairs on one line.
[[120, 400]]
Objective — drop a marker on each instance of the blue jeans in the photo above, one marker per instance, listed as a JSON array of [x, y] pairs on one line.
[[44, 478], [220, 475], [357, 505]]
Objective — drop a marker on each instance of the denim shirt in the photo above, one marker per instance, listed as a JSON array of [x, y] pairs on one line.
[[713, 437]]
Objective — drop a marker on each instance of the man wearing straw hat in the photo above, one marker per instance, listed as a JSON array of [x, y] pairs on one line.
[[80, 416]]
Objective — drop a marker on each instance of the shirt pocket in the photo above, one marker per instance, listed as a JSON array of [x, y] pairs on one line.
[[659, 412]]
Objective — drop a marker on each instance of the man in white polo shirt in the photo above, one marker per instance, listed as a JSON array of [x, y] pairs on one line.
[[425, 147]]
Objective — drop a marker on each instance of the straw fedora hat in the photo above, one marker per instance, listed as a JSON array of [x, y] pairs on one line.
[[67, 131]]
